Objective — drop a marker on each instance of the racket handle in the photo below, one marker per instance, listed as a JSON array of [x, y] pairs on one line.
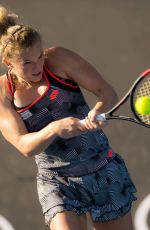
[[100, 117]]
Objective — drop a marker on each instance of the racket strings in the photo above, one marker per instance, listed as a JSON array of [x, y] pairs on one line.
[[142, 90]]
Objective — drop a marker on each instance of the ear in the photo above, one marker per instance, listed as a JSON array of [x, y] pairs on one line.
[[7, 63]]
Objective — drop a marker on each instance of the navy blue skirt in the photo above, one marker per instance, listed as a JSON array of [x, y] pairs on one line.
[[106, 194]]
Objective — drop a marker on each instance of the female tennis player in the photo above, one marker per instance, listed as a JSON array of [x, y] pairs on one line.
[[41, 106]]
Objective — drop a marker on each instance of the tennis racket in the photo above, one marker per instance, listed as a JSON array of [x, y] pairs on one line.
[[140, 88]]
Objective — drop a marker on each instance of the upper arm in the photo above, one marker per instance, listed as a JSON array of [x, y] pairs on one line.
[[81, 71], [11, 125]]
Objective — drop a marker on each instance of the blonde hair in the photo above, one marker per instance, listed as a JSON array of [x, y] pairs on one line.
[[14, 36]]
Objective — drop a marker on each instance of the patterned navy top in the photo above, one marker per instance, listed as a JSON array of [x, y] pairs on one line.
[[62, 98]]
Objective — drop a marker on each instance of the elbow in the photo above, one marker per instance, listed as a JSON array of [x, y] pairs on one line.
[[25, 150], [26, 153]]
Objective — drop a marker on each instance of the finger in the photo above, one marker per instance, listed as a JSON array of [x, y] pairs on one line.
[[102, 123], [88, 123], [93, 121], [92, 124]]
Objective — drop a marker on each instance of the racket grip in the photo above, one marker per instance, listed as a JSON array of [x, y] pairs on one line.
[[100, 117]]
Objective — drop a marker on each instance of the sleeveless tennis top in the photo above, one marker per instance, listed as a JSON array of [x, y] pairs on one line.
[[63, 98]]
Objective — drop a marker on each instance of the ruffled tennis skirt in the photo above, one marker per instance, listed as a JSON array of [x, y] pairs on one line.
[[106, 194]]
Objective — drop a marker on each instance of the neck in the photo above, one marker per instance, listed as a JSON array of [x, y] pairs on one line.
[[19, 82]]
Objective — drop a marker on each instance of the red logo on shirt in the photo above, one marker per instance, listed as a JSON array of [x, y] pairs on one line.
[[110, 153], [53, 94]]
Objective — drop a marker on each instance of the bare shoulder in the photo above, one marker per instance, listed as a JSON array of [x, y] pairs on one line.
[[78, 69], [61, 60], [4, 94], [74, 66], [65, 60], [53, 52], [57, 50], [62, 54]]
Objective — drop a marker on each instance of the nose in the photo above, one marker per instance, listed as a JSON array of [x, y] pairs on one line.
[[37, 66]]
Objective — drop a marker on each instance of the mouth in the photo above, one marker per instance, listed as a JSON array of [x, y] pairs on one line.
[[37, 74]]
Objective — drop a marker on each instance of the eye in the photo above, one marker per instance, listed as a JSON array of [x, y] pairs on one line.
[[27, 63], [41, 55]]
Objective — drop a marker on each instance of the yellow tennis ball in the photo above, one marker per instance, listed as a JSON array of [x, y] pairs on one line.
[[142, 105]]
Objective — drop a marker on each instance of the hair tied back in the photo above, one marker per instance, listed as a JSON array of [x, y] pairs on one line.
[[6, 20]]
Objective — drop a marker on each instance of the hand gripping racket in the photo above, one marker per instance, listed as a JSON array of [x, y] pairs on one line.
[[139, 89]]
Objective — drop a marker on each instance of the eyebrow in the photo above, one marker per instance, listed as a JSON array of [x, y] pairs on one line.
[[38, 57]]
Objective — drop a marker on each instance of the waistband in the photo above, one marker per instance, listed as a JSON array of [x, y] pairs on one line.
[[82, 168]]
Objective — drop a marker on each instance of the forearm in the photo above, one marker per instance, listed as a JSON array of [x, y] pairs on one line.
[[32, 144], [106, 100]]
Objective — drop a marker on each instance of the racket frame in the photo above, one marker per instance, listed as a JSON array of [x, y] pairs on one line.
[[109, 115]]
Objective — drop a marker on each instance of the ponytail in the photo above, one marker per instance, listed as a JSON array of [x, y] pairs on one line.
[[6, 20], [13, 35]]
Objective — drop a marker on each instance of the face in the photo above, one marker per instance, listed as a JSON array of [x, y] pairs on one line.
[[29, 64]]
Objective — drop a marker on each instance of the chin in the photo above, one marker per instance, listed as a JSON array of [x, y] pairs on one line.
[[37, 78]]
